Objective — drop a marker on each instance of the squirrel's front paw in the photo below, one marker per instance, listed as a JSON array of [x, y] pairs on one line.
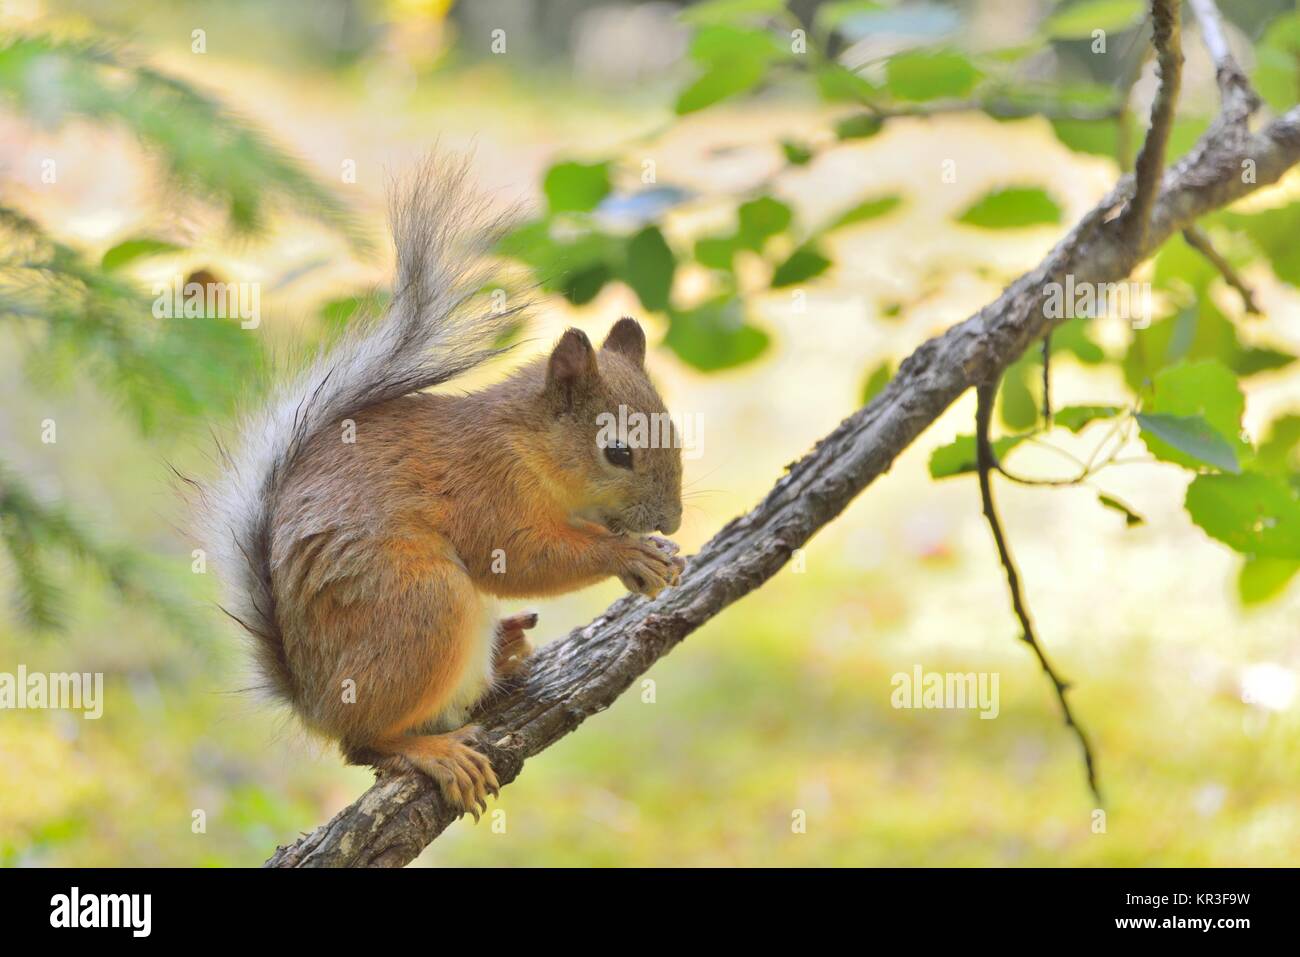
[[649, 565]]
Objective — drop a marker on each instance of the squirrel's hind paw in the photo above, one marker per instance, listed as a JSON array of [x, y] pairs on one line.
[[464, 775], [512, 645]]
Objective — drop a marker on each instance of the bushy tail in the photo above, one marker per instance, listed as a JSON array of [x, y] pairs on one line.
[[431, 333]]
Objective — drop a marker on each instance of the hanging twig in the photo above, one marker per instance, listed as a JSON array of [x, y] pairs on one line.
[[1198, 240], [987, 463]]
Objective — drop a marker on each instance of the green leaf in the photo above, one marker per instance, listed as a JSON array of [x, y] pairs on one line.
[[576, 187], [715, 336], [838, 84], [1277, 63], [921, 75], [1076, 417], [959, 456], [1079, 20], [1278, 449], [861, 126], [735, 60], [130, 250], [803, 264], [1012, 208], [719, 44], [1194, 416], [1187, 440], [877, 380], [718, 83], [583, 285], [577, 267], [865, 211], [717, 252], [1074, 337], [1099, 137], [1131, 518], [758, 220], [1017, 402], [762, 218], [650, 268], [1262, 578], [1275, 76], [1205, 388], [1198, 332], [1251, 513], [796, 153]]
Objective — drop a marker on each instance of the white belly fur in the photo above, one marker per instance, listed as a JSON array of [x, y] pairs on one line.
[[477, 677]]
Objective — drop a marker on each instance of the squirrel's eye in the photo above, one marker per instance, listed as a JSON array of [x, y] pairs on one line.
[[618, 455]]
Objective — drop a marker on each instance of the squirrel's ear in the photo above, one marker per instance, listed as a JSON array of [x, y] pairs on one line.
[[627, 339], [572, 368]]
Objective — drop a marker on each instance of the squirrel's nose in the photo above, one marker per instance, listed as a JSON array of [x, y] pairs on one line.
[[670, 523]]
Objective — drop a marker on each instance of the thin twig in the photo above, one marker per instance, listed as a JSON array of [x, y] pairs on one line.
[[1047, 380], [1114, 429], [1041, 483], [1150, 165], [1086, 469], [1239, 100], [987, 462], [1198, 240]]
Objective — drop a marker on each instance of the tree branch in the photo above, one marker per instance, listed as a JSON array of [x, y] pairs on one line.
[[1239, 100], [1151, 158], [987, 462]]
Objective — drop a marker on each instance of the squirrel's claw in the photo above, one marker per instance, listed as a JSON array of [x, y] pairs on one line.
[[650, 565]]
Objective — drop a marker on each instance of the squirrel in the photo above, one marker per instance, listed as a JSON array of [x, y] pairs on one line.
[[367, 571]]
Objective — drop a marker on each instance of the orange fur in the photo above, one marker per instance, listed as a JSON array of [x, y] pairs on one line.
[[387, 553]]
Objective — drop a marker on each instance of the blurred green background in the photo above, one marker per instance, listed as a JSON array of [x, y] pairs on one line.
[[264, 157]]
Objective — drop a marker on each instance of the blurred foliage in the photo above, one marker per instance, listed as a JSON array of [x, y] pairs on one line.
[[1182, 365], [86, 316], [201, 146]]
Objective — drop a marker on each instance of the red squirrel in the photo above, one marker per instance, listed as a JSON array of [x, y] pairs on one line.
[[364, 528]]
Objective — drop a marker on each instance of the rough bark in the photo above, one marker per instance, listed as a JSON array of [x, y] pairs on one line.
[[575, 677]]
